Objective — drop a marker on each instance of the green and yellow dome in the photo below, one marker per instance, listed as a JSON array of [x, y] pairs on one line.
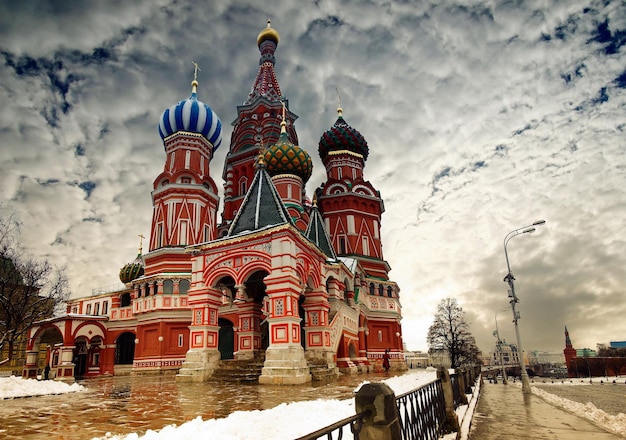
[[286, 158]]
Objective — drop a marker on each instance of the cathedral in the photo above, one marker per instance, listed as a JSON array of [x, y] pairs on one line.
[[296, 283]]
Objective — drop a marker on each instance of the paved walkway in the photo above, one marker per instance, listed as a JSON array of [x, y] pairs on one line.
[[504, 413]]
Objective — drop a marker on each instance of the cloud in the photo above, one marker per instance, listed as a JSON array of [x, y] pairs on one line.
[[480, 117]]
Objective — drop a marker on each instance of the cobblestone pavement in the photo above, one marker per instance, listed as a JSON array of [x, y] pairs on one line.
[[504, 413]]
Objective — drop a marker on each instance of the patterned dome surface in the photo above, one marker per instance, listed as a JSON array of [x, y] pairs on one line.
[[286, 158], [342, 136], [132, 271], [193, 116]]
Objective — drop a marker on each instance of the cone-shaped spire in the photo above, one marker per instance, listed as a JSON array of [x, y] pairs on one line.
[[262, 206]]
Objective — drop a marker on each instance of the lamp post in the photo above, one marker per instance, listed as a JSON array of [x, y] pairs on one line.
[[499, 345], [514, 300]]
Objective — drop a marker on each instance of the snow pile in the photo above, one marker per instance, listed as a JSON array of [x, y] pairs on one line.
[[12, 387], [615, 424], [287, 420]]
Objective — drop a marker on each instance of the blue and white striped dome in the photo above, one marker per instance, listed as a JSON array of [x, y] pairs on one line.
[[193, 116]]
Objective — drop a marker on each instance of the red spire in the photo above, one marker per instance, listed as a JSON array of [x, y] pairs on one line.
[[265, 83]]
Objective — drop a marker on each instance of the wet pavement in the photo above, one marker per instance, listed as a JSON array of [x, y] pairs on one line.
[[123, 405], [504, 413]]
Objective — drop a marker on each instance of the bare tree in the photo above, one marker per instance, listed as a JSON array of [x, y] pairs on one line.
[[30, 289], [450, 334]]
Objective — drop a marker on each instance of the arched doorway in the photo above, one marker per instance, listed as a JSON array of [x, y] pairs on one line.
[[226, 344], [80, 356], [125, 349], [48, 353]]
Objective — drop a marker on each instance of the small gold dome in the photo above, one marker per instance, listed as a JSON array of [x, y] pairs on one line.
[[268, 34]]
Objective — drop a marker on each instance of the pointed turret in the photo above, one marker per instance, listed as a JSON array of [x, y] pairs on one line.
[[316, 232], [262, 206], [258, 123], [570, 353]]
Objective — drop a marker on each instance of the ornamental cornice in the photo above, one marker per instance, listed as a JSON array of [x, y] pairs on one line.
[[348, 152]]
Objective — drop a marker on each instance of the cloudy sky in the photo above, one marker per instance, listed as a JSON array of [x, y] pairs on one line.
[[481, 117]]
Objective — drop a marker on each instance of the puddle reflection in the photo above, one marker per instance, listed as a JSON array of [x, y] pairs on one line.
[[121, 405]]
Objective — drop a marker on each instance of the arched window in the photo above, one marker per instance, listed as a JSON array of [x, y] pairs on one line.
[[125, 300], [372, 289], [243, 185], [183, 286], [389, 292], [381, 290], [168, 286]]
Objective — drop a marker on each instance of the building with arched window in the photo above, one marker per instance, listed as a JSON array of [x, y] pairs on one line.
[[295, 284]]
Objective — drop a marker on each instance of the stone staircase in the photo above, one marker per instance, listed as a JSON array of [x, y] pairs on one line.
[[320, 370], [238, 370], [249, 370]]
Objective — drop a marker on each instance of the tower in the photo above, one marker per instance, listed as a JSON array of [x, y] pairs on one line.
[[185, 201], [570, 353], [290, 167], [258, 124], [184, 197], [351, 206]]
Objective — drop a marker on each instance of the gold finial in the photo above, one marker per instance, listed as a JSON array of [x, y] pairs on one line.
[[141, 237], [268, 34], [283, 124], [194, 83], [339, 109], [260, 162]]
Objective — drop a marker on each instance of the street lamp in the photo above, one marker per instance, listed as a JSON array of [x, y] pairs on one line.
[[499, 345], [514, 300]]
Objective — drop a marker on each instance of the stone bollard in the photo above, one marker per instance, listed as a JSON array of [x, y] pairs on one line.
[[452, 421], [383, 422]]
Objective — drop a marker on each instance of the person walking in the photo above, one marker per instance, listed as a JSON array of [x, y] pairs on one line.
[[386, 358]]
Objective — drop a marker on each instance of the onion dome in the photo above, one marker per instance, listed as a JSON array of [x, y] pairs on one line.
[[193, 116], [268, 34], [132, 271], [342, 136], [286, 158]]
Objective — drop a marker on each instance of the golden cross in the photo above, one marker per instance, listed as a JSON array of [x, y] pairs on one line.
[[196, 68], [338, 97], [141, 237]]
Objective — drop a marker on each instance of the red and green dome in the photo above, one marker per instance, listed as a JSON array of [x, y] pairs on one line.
[[342, 136], [286, 158]]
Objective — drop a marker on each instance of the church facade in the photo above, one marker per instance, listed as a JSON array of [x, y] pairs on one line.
[[283, 278]]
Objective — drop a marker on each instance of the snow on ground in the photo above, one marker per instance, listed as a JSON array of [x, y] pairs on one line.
[[615, 424], [12, 387], [287, 420]]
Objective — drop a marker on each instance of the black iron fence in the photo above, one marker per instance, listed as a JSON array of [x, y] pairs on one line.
[[351, 425], [422, 412]]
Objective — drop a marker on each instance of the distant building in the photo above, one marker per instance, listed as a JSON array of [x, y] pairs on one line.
[[546, 358], [417, 359], [510, 354], [585, 362]]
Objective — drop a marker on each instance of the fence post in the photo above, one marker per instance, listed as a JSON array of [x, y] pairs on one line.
[[452, 421], [460, 374], [382, 422]]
